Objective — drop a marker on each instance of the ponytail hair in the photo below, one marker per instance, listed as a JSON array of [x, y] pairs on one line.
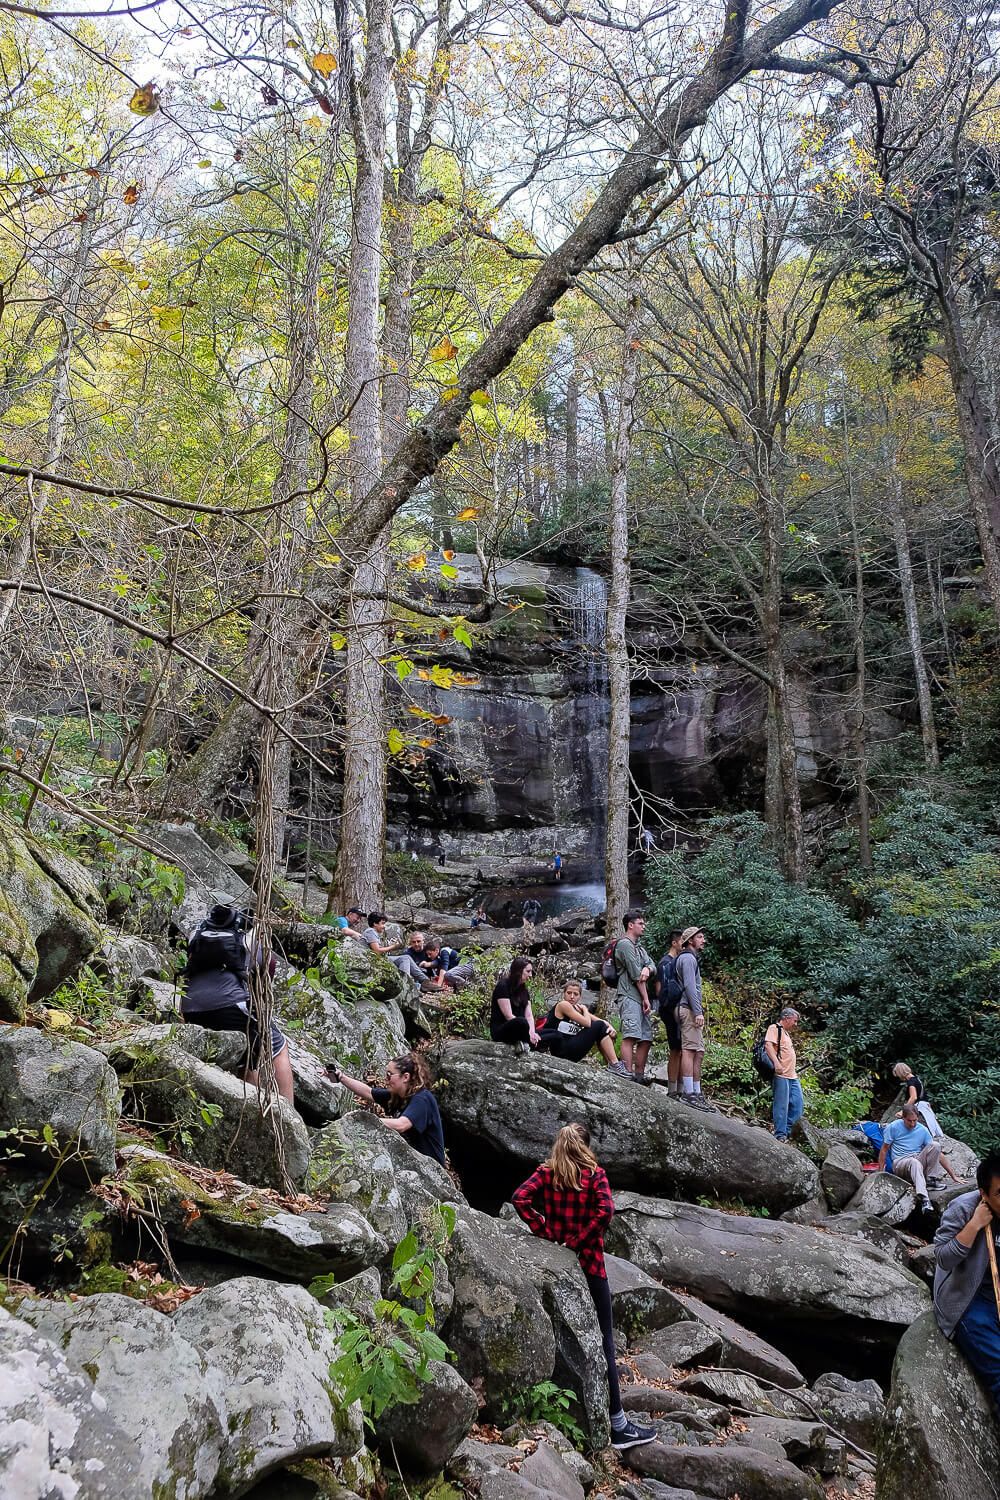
[[571, 1155], [413, 1068]]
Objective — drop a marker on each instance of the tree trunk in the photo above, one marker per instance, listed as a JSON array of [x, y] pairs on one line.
[[360, 874], [792, 834], [619, 672], [859, 733], [982, 471], [907, 587], [572, 432]]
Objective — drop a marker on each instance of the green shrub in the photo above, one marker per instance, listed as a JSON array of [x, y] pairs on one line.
[[757, 923]]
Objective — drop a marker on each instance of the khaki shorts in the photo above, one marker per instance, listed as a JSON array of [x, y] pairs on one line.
[[692, 1036]]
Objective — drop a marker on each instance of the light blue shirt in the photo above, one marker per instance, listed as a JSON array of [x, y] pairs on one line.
[[906, 1142]]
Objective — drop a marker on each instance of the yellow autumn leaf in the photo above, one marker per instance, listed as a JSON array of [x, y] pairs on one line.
[[417, 562], [168, 318], [447, 554], [444, 350], [481, 398], [450, 392], [145, 100], [324, 63], [469, 513], [395, 741]]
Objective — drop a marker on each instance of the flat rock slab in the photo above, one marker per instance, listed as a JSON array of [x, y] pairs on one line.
[[723, 1472], [515, 1104], [883, 1196], [741, 1348], [940, 1440], [788, 1275], [639, 1302], [840, 1176], [658, 1401], [687, 1343]]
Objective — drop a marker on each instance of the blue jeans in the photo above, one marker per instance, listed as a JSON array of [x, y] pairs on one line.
[[787, 1105], [978, 1337]]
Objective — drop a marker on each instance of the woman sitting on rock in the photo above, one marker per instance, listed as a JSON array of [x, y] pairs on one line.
[[411, 1107], [511, 1020], [568, 1200], [569, 1030]]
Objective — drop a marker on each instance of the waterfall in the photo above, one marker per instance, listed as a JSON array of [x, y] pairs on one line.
[[590, 715]]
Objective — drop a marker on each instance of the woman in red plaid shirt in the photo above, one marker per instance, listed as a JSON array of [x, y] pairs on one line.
[[568, 1199]]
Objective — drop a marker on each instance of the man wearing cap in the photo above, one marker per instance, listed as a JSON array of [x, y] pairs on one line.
[[691, 1016]]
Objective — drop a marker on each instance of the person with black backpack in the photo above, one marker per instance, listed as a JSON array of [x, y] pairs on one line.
[[786, 1102], [217, 989], [670, 993]]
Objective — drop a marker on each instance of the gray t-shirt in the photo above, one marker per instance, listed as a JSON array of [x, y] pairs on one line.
[[630, 960], [371, 936], [688, 976]]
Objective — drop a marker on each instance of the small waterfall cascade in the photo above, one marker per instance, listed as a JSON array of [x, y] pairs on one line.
[[590, 713]]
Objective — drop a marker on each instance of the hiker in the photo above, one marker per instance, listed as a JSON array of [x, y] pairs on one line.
[[647, 841], [914, 1153], [915, 1093], [557, 865], [531, 910], [966, 1292], [216, 989], [479, 918], [412, 1109], [511, 1020], [352, 925], [568, 1200], [786, 1098], [443, 968], [691, 1018], [670, 993], [570, 1030], [636, 975], [375, 932], [410, 961]]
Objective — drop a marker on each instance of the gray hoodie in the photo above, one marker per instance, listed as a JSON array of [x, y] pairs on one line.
[[688, 975], [960, 1270]]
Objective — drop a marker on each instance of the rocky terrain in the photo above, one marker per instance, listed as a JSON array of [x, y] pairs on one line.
[[159, 1339]]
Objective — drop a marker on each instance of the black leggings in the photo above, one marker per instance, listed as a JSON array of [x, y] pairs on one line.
[[573, 1047], [601, 1293], [512, 1031]]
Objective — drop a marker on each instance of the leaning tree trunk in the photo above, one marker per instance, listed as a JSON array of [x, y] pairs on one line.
[[911, 614], [360, 874], [616, 644], [859, 716]]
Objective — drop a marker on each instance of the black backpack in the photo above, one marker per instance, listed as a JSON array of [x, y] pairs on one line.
[[671, 989], [217, 946], [762, 1063], [609, 968]]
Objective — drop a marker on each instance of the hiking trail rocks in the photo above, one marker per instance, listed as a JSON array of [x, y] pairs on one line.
[[48, 1084]]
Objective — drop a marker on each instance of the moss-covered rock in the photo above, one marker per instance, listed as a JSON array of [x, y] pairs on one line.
[[60, 1103], [50, 912]]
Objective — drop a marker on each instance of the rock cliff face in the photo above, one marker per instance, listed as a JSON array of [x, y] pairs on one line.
[[520, 768]]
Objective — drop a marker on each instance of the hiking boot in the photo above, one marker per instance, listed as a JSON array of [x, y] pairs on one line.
[[632, 1436], [697, 1102], [641, 1078], [619, 1070], [524, 1046], [707, 1105], [925, 1204]]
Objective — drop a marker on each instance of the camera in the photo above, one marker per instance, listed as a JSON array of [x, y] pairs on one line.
[[334, 1070]]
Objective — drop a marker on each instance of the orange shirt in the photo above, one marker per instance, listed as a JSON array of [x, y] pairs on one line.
[[784, 1067]]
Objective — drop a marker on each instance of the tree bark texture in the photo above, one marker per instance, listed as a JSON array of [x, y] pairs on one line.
[[911, 613], [360, 873], [982, 471], [616, 644]]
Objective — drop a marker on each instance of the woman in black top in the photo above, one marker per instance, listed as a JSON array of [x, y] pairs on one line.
[[914, 1093], [511, 1020], [570, 1030], [411, 1107]]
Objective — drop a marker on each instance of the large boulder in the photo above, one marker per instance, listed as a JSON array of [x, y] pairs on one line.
[[940, 1439], [50, 1222], [50, 911], [855, 1408], [422, 1436], [514, 1105], [273, 1350], [498, 1328], [840, 1176], [58, 1440], [215, 1118], [359, 1163], [233, 1218], [640, 1304], [720, 1473], [360, 1024], [738, 1347], [883, 1196], [775, 1274], [61, 1100], [208, 879], [161, 1389]]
